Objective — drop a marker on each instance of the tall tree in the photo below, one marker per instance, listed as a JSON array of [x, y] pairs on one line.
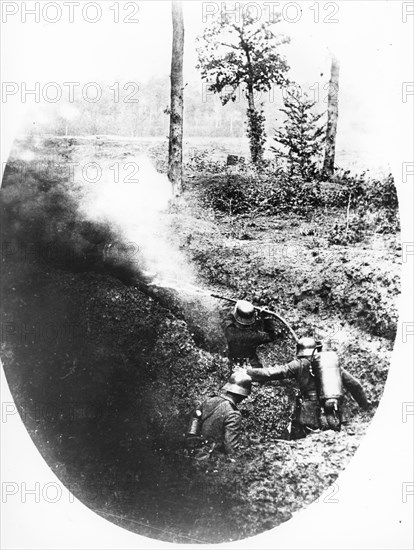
[[175, 156], [332, 123], [234, 55]]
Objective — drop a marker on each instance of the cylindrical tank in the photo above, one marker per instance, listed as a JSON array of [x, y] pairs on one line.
[[194, 429], [328, 375]]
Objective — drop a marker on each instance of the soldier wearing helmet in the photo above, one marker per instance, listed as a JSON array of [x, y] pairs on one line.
[[307, 414], [245, 333], [220, 417]]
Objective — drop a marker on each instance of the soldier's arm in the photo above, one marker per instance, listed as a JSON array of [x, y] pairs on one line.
[[227, 322], [263, 337], [355, 388], [269, 328], [232, 432], [278, 372], [236, 335]]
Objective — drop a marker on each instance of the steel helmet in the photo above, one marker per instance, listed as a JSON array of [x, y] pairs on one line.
[[244, 313], [306, 346], [239, 383]]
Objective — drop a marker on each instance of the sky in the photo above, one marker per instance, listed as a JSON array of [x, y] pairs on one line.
[[82, 50], [368, 38]]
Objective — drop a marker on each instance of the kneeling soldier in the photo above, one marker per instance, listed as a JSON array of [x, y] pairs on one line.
[[219, 420], [321, 382], [245, 333]]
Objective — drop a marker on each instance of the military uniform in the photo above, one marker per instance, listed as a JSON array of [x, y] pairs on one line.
[[307, 415], [221, 423], [244, 341]]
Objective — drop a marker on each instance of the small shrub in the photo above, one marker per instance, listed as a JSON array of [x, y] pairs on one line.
[[199, 160], [373, 204], [301, 137], [344, 234]]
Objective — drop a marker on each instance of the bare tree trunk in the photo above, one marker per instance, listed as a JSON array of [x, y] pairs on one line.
[[329, 161], [175, 157]]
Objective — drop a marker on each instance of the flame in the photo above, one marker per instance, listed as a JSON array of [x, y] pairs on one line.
[[186, 288]]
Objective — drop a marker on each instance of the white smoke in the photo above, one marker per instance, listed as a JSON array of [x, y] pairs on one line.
[[138, 212], [137, 207]]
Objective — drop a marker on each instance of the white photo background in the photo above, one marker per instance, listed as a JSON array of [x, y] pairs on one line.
[[101, 238]]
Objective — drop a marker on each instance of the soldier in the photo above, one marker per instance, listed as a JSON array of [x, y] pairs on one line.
[[305, 369], [245, 333], [219, 417]]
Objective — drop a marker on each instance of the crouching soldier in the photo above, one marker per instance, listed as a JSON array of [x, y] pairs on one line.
[[245, 333], [216, 423], [321, 383]]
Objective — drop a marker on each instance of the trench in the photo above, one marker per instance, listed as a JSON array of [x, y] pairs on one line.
[[104, 371]]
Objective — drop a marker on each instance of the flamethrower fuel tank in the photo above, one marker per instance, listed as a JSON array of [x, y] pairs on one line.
[[328, 374]]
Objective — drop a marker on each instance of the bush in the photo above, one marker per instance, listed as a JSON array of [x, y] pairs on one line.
[[371, 205], [266, 190], [232, 194], [344, 234], [200, 161], [300, 139]]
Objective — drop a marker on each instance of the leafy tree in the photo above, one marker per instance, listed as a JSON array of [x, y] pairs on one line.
[[234, 56], [301, 136]]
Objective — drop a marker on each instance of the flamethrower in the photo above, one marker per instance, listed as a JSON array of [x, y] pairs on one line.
[[264, 311], [155, 282]]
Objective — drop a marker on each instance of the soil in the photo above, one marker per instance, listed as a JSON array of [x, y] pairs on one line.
[[105, 369]]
